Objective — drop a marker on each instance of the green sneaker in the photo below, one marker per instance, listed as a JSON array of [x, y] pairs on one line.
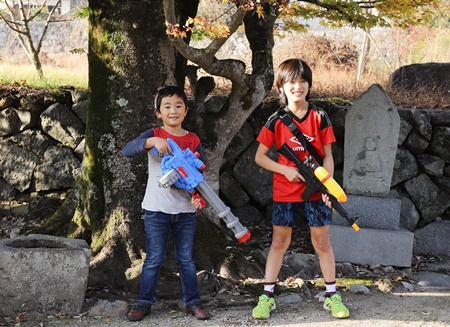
[[334, 304], [265, 305]]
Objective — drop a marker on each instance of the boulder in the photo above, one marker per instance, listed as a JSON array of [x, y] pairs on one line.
[[428, 75]]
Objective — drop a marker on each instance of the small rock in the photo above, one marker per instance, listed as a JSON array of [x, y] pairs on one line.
[[289, 299], [359, 289], [385, 285], [408, 286], [105, 308]]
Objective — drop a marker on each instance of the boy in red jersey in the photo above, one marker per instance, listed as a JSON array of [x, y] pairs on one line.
[[293, 82]]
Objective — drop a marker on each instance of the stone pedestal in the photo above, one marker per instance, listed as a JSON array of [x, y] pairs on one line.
[[380, 240], [372, 127], [372, 212], [43, 274], [371, 246]]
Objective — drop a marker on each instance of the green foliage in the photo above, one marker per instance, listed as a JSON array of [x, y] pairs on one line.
[[83, 13], [200, 35], [336, 13], [331, 103], [364, 15]]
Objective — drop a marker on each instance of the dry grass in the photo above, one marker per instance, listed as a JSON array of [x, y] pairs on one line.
[[333, 61], [59, 70], [332, 82], [54, 76], [336, 83], [334, 64]]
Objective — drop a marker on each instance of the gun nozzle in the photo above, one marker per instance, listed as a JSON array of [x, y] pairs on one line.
[[245, 238], [355, 227]]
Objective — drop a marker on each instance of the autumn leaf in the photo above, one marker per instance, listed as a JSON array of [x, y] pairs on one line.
[[260, 12]]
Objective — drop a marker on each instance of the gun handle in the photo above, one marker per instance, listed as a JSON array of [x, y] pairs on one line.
[[307, 193], [197, 195]]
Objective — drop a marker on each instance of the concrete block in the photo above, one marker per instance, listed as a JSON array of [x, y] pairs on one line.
[[43, 274], [372, 246], [372, 212]]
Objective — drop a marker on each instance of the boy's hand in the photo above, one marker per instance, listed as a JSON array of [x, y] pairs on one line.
[[159, 143], [292, 175], [327, 201], [197, 202]]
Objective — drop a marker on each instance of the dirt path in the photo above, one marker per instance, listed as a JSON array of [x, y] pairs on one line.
[[425, 306]]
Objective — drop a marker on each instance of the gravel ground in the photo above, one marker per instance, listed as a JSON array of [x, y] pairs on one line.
[[424, 306]]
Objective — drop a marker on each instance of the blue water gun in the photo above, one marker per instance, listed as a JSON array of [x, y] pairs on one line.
[[184, 170]]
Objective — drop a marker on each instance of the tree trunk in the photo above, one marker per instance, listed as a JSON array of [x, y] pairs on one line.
[[247, 92], [130, 57]]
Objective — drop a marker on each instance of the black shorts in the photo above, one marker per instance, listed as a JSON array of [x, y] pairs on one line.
[[286, 213]]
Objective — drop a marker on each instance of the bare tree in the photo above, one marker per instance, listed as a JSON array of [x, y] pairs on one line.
[[18, 20]]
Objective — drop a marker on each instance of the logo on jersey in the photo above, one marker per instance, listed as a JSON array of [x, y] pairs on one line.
[[293, 139]]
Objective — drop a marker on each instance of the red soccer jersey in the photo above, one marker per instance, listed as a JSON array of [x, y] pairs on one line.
[[317, 129]]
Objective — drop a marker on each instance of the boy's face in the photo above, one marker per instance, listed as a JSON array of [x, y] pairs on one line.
[[296, 90], [172, 111]]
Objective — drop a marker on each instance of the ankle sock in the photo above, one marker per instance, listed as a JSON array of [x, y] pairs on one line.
[[269, 289], [330, 288]]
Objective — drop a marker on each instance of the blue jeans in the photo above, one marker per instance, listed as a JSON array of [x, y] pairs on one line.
[[157, 228]]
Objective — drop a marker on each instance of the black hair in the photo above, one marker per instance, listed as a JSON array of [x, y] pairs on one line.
[[169, 91], [288, 71]]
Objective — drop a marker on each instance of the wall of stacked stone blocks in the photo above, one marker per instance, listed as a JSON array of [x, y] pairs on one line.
[[42, 144], [60, 38]]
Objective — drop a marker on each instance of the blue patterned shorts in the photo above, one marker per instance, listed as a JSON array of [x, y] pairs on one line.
[[286, 213]]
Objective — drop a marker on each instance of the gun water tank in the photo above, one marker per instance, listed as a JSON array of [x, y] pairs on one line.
[[330, 183]]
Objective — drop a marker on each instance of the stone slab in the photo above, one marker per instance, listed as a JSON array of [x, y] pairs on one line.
[[372, 128], [372, 212], [372, 246]]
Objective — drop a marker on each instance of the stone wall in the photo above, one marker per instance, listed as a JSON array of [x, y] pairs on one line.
[[60, 38], [41, 141]]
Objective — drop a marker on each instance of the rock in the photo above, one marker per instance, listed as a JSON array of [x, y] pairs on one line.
[[432, 279], [359, 289], [427, 75]]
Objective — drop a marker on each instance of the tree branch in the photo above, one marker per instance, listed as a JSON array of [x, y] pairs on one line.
[[11, 24], [39, 10], [38, 48], [233, 70], [236, 21]]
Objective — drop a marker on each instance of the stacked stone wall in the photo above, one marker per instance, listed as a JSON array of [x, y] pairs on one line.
[[41, 141], [60, 39]]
